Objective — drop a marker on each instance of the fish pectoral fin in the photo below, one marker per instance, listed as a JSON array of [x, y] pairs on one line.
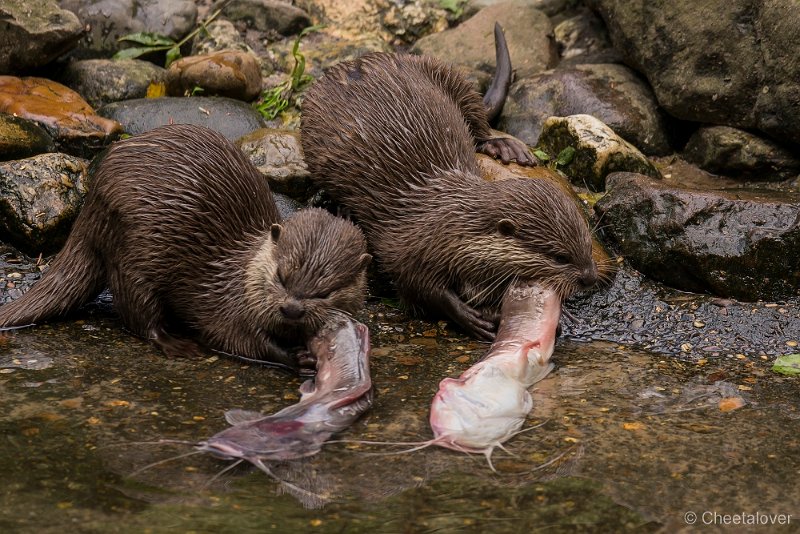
[[237, 416]]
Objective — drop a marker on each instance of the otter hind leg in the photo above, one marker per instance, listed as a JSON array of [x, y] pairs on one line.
[[142, 311], [172, 346]]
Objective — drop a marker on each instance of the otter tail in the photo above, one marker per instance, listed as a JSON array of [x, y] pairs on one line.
[[495, 96], [75, 276]]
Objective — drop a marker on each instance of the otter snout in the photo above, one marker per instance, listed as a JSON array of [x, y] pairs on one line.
[[589, 276], [292, 310]]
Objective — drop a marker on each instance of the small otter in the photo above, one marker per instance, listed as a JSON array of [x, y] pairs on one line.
[[184, 231], [392, 138]]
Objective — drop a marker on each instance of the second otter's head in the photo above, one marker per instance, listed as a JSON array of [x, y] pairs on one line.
[[550, 234]]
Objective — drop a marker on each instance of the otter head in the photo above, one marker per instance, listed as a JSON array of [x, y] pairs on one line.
[[543, 235], [320, 264]]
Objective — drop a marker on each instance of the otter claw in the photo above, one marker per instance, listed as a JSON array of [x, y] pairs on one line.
[[467, 317], [507, 149]]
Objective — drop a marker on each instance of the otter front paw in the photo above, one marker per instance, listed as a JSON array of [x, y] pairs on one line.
[[507, 149], [307, 363], [467, 317]]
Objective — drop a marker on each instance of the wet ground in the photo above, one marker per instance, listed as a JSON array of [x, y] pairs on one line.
[[631, 440]]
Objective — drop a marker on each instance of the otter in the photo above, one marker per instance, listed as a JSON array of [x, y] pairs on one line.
[[184, 231], [392, 138]]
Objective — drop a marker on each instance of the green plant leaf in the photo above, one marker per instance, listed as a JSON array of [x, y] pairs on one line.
[[541, 155], [173, 54], [565, 156], [137, 51], [148, 39], [788, 364]]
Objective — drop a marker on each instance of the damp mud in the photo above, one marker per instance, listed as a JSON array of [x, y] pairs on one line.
[[630, 440]]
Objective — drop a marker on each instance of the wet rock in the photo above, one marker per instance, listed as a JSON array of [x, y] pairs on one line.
[[611, 93], [108, 20], [39, 199], [548, 7], [744, 245], [322, 50], [67, 117], [717, 61], [581, 35], [231, 118], [470, 45], [33, 33], [228, 73], [740, 154], [286, 205], [219, 35], [408, 21], [493, 170], [20, 138], [279, 157], [266, 15], [636, 310], [101, 81], [598, 150]]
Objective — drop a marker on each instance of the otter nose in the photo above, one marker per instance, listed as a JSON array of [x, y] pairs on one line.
[[292, 310], [588, 277]]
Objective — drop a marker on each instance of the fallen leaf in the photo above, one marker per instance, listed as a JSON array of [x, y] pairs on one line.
[[788, 364], [633, 426], [729, 404]]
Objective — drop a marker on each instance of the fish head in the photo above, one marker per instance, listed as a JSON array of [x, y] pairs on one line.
[[479, 412]]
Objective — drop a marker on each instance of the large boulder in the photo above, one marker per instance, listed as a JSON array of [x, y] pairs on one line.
[[39, 199], [470, 45], [727, 62], [34, 32], [108, 20], [742, 244], [612, 93]]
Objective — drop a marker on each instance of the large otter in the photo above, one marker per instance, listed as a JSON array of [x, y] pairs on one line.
[[184, 231], [392, 137]]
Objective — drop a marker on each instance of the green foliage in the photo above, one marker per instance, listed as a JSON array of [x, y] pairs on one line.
[[565, 157], [155, 42], [543, 156], [456, 7], [274, 101]]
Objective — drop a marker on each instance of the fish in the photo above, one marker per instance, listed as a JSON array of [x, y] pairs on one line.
[[338, 395], [488, 403]]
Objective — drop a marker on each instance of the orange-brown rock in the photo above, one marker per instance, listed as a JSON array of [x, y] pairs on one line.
[[60, 110], [230, 73]]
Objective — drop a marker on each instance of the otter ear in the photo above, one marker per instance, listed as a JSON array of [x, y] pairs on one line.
[[275, 231], [506, 227], [364, 261]]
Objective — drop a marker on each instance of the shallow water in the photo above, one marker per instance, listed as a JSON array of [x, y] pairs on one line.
[[630, 441]]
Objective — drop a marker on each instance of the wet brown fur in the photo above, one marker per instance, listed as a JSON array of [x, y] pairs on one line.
[[184, 231], [393, 138]]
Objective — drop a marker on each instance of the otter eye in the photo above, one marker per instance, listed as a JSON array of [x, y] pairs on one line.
[[281, 279], [561, 259]]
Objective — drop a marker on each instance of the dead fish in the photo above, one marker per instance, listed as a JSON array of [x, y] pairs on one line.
[[489, 402], [340, 393]]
